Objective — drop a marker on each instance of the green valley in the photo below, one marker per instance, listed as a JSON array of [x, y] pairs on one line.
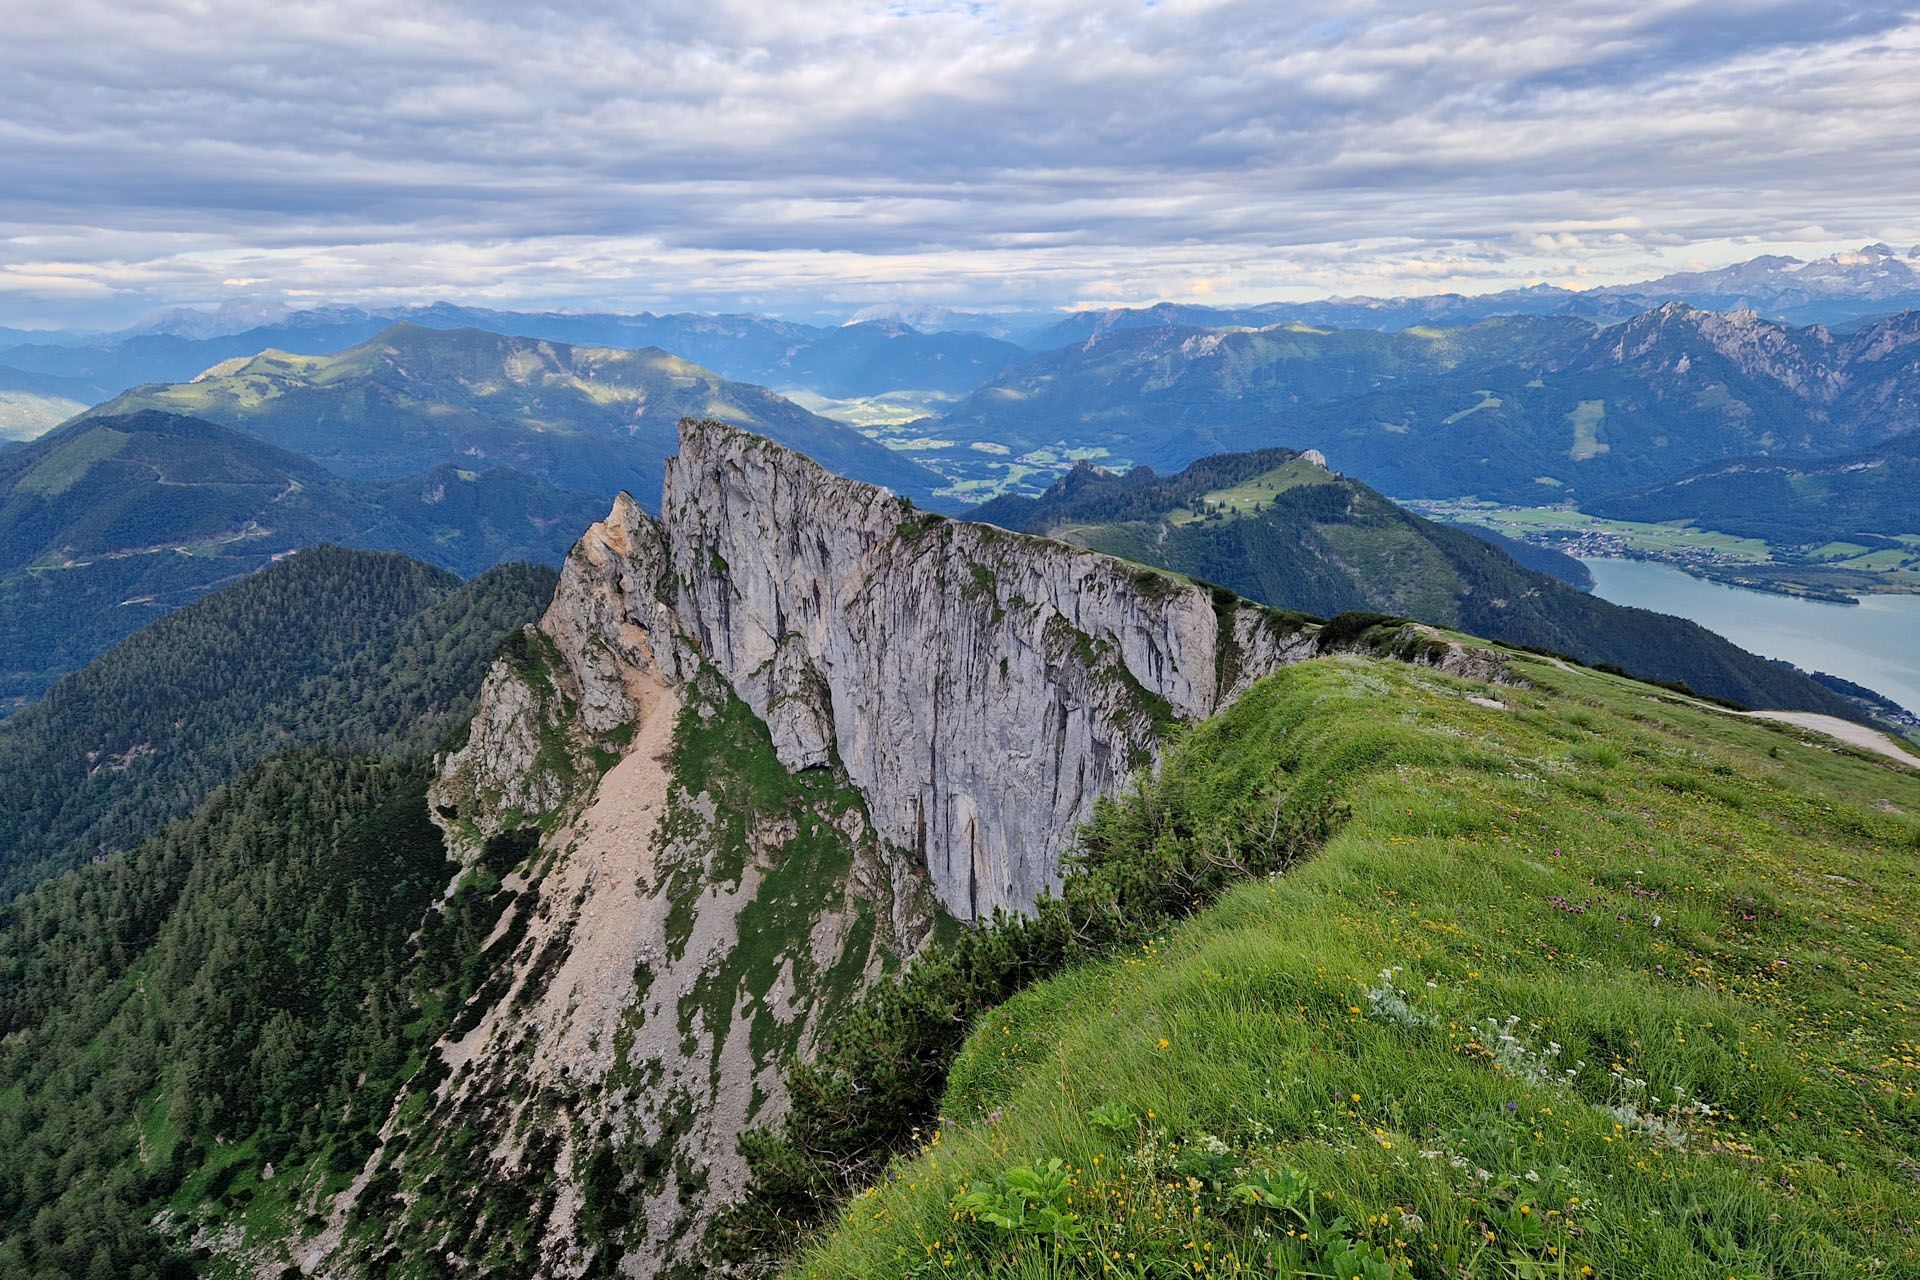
[[1839, 568]]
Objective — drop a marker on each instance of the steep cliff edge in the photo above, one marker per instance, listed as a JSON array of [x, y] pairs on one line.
[[759, 750], [980, 688]]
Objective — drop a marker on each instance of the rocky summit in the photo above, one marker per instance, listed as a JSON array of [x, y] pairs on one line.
[[757, 752]]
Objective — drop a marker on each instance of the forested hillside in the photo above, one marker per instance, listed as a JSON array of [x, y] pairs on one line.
[[112, 522], [1278, 528], [1871, 493], [365, 651], [239, 996]]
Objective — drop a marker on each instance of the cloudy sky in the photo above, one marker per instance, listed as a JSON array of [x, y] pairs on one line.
[[813, 158]]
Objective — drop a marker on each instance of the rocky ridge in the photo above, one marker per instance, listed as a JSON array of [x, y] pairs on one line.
[[767, 743]]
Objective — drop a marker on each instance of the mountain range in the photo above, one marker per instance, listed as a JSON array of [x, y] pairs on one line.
[[894, 347], [850, 360], [594, 419], [1518, 409], [1871, 281]]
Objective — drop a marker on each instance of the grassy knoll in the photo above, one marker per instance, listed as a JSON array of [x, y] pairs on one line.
[[1251, 496], [1591, 983]]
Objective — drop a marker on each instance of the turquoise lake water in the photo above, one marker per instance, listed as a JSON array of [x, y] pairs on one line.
[[1875, 643]]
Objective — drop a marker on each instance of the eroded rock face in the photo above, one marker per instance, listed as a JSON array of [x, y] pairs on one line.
[[761, 739], [981, 688], [498, 771]]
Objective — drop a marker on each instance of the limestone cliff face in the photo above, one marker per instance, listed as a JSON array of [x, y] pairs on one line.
[[691, 917], [762, 741], [980, 688]]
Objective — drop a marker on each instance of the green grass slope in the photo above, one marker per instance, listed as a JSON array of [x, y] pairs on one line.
[[594, 419], [1279, 529], [1595, 982]]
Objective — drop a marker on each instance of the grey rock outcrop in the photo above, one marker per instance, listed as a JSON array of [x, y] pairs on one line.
[[980, 688], [763, 740]]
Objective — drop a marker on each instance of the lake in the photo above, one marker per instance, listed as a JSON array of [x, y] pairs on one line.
[[1875, 643]]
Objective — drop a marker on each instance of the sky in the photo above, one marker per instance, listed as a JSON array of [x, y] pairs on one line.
[[811, 159]]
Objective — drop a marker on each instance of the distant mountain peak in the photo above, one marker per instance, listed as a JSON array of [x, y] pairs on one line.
[[236, 315], [583, 418]]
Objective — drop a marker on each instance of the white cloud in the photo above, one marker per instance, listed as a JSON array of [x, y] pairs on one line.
[[738, 152]]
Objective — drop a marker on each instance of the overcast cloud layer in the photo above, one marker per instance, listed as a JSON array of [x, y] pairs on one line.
[[814, 158]]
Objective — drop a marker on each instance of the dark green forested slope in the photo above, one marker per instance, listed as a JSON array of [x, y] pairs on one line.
[[109, 523], [1872, 492], [1277, 528], [225, 1011], [364, 650], [469, 521]]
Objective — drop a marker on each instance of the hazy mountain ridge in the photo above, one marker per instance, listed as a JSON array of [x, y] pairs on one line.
[[1519, 408], [175, 345], [845, 360], [31, 403], [584, 418], [1841, 287]]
